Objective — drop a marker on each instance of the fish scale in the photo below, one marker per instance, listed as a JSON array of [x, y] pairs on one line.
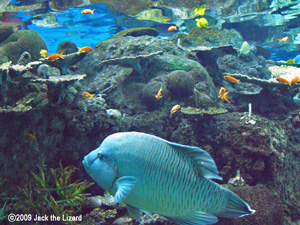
[[167, 160]]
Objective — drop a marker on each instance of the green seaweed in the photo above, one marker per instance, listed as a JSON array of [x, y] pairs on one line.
[[196, 111], [52, 193]]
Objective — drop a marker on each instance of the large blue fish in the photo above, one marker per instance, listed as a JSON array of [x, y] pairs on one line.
[[152, 175]]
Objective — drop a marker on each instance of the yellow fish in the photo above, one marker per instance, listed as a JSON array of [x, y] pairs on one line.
[[290, 61], [159, 96], [200, 10], [224, 96], [202, 22], [44, 53], [88, 95]]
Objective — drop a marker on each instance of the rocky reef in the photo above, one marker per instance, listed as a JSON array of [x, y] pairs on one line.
[[133, 80]]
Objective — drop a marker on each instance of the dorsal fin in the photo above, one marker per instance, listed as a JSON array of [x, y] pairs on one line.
[[201, 158]]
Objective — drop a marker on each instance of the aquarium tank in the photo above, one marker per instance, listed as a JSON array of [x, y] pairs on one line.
[[150, 111]]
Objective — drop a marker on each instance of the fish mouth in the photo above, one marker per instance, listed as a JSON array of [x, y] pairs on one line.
[[86, 164]]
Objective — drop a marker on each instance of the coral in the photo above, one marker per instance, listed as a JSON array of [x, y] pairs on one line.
[[135, 32], [6, 31], [174, 62], [261, 82], [24, 59], [114, 76], [180, 83], [114, 113], [288, 72], [57, 86], [197, 111], [252, 65], [210, 37], [64, 4], [128, 7], [154, 15], [134, 61], [21, 41], [149, 92], [203, 100], [67, 47], [44, 71]]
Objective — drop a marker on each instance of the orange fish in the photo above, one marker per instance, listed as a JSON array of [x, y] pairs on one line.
[[172, 28], [232, 79], [88, 95], [285, 39], [159, 96], [175, 109], [295, 80], [223, 94], [31, 136], [55, 56], [283, 80], [88, 11], [84, 49], [222, 91]]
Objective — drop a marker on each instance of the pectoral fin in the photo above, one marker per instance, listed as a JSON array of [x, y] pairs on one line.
[[195, 218], [124, 186]]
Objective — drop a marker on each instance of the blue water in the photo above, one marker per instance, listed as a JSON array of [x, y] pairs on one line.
[[83, 30]]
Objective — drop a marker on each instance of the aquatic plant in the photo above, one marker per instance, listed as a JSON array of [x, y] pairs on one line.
[[52, 193]]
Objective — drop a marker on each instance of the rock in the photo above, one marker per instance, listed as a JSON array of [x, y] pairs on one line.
[[45, 71], [203, 38], [155, 15], [180, 83], [22, 41], [136, 32], [149, 92], [128, 7], [114, 113], [67, 47], [57, 86], [259, 198], [6, 31], [252, 65], [25, 58], [58, 5]]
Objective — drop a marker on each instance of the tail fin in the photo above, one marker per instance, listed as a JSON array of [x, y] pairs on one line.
[[235, 207]]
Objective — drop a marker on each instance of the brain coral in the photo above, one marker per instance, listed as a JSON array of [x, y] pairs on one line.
[[180, 83], [22, 41], [149, 92]]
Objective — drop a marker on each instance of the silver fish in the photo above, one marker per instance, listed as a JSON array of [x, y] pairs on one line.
[[152, 175]]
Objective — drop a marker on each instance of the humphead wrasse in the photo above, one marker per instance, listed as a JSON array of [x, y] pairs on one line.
[[150, 174]]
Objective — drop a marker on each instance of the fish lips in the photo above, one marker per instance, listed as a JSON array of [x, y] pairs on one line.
[[86, 165]]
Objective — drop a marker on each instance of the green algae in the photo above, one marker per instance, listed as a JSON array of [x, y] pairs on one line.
[[197, 111]]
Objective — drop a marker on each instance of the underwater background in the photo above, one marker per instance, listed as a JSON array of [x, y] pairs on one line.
[[220, 75]]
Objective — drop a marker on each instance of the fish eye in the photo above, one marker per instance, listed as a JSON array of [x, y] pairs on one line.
[[101, 156]]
